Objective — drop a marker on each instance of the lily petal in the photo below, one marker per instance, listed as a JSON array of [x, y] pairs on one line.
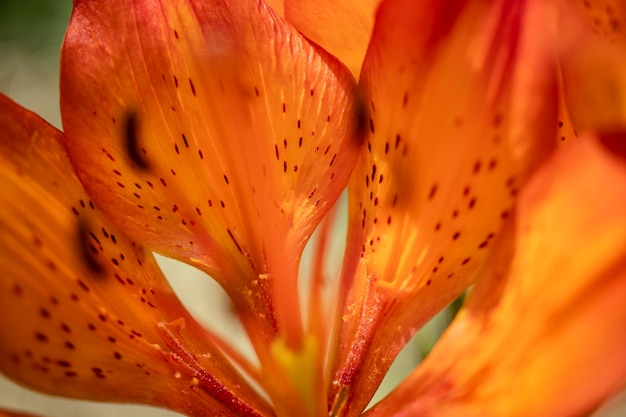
[[86, 312], [593, 64], [566, 132], [277, 5], [553, 342], [461, 99], [214, 133], [342, 27], [606, 17]]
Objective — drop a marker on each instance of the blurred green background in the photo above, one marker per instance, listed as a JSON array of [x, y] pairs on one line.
[[34, 24], [31, 33]]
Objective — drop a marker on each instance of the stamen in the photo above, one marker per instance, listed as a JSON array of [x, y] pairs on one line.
[[131, 139], [361, 118], [87, 249]]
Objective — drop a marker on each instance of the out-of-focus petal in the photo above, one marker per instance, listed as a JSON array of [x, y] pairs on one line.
[[461, 102], [342, 27], [593, 63], [553, 342], [86, 313], [214, 133], [566, 133], [605, 17], [277, 5]]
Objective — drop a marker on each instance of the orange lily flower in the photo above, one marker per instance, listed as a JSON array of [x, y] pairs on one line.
[[215, 133]]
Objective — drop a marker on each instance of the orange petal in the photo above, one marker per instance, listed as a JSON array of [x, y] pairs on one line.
[[342, 27], [214, 133], [593, 64], [607, 18], [86, 312], [277, 5], [566, 133], [461, 104], [553, 343]]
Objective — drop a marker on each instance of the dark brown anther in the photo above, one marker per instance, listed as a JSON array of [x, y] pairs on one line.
[[88, 250], [131, 139], [361, 116]]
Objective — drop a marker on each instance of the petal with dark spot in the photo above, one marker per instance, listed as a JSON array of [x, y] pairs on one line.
[[243, 136], [592, 57], [85, 311], [461, 105], [549, 340]]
